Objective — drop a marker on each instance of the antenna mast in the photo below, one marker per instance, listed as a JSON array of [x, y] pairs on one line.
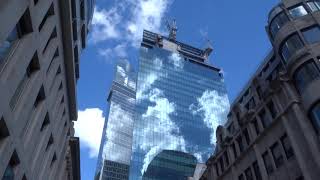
[[172, 28]]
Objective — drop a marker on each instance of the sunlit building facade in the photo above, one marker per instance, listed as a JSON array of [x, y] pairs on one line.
[[115, 149], [180, 101]]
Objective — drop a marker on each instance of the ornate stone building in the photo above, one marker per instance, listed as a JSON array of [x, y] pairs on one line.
[[40, 43], [273, 126]]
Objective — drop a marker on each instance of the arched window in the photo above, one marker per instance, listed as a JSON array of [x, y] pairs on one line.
[[290, 46]]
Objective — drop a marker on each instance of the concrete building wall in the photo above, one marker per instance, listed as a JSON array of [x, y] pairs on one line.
[[38, 74], [286, 145]]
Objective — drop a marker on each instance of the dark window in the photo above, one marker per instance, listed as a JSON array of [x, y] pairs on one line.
[[40, 97], [267, 162], [50, 142], [314, 5], [73, 9], [54, 158], [49, 13], [259, 92], [221, 164], [256, 126], [45, 122], [24, 177], [62, 100], [298, 11], [33, 67], [277, 154], [312, 35], [277, 23], [83, 36], [241, 177], [305, 75], [75, 29], [58, 70], [272, 109], [256, 170], [266, 121], [82, 10], [60, 86], [4, 132], [315, 117], [248, 173], [246, 136], [35, 1], [6, 45], [56, 54], [226, 158], [251, 104], [300, 178], [25, 24], [234, 150], [290, 46], [287, 146], [52, 36], [217, 169], [9, 172], [240, 143]]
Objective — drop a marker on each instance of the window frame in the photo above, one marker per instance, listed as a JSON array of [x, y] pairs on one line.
[[301, 86], [291, 10]]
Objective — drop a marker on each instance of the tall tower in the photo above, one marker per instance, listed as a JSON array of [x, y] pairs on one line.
[[115, 149], [40, 46], [180, 101]]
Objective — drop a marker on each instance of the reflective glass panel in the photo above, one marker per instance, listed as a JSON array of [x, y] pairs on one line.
[[298, 12], [180, 104], [6, 44]]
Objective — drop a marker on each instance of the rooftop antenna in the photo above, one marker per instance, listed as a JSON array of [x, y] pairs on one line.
[[209, 48], [172, 28]]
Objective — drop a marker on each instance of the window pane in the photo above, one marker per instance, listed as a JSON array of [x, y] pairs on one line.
[[312, 6], [256, 170], [267, 162], [287, 146], [298, 12], [278, 22], [6, 45], [305, 75], [315, 115], [312, 35], [292, 44], [277, 154], [264, 118]]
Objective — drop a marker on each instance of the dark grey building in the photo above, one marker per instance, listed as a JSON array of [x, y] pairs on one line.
[[40, 43], [274, 124], [116, 142]]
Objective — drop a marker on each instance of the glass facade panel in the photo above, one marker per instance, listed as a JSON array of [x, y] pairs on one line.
[[6, 44], [116, 142], [315, 116], [312, 35], [305, 75], [298, 12], [314, 5], [180, 103], [292, 44]]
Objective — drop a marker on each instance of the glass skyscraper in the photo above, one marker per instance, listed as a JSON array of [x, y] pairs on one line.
[[180, 101], [116, 142]]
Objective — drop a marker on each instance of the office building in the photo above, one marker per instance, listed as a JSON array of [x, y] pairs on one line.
[[180, 101], [116, 142], [40, 43], [273, 127]]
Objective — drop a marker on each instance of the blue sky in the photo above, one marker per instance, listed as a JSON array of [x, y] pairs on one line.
[[235, 28]]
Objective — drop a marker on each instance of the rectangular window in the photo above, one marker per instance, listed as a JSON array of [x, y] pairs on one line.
[[256, 170], [314, 5], [217, 169], [272, 109], [312, 35], [256, 126], [298, 12], [234, 150], [248, 173], [221, 164], [307, 73], [277, 154], [267, 162], [246, 136], [264, 118], [315, 117], [240, 143], [277, 23], [226, 158], [49, 13], [287, 146]]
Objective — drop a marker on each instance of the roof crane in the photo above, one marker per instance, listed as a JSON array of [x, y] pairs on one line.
[[172, 28]]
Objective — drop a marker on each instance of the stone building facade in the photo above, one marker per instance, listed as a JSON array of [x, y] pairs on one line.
[[40, 43], [273, 126]]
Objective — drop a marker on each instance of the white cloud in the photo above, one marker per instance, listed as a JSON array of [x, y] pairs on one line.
[[213, 108], [146, 14], [89, 128], [176, 60], [110, 54], [104, 24]]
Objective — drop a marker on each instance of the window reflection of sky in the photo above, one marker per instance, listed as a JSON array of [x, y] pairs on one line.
[[179, 106]]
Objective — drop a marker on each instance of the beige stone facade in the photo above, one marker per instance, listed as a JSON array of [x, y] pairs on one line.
[[40, 43], [273, 126]]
